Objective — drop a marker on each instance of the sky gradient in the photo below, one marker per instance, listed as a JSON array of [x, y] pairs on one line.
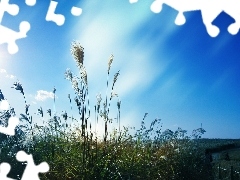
[[176, 73]]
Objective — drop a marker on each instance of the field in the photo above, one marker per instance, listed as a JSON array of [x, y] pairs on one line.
[[226, 158], [76, 152]]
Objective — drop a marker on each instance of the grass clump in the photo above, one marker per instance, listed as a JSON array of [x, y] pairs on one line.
[[77, 152]]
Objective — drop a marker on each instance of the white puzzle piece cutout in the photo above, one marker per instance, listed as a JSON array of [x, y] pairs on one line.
[[31, 171], [59, 19], [4, 170], [12, 121], [7, 35], [10, 129], [209, 10], [4, 105], [76, 11]]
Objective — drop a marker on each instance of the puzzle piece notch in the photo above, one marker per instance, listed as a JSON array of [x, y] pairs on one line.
[[209, 10], [180, 19], [4, 170], [233, 28], [31, 171]]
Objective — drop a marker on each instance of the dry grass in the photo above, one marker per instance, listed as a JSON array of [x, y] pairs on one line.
[[78, 154]]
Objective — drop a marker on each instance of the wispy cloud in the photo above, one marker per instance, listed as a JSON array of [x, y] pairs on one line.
[[43, 95], [3, 71], [10, 76]]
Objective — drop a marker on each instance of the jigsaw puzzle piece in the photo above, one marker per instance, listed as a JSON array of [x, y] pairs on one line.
[[9, 36], [12, 122], [31, 169], [4, 170], [234, 13], [4, 105], [12, 9], [209, 11], [59, 19], [208, 16], [10, 129]]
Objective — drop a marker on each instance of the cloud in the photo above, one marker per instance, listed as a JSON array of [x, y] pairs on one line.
[[11, 76], [3, 71], [43, 95]]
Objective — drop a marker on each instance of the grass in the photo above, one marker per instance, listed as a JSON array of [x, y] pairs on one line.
[[76, 152]]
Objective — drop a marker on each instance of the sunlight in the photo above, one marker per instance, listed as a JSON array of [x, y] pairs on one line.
[[3, 56]]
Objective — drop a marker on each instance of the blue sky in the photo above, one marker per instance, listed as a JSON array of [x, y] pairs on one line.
[[176, 73]]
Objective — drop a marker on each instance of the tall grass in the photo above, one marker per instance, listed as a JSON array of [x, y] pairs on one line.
[[76, 152]]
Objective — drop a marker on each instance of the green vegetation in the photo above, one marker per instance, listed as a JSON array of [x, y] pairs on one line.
[[76, 152]]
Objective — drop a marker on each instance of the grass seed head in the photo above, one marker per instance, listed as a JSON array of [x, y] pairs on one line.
[[68, 75], [1, 95], [110, 62], [83, 73], [75, 84], [18, 87], [113, 94], [77, 52], [115, 77], [99, 98]]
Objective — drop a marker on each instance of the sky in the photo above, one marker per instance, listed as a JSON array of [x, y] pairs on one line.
[[179, 74]]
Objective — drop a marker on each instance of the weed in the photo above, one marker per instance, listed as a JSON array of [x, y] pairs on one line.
[[76, 152]]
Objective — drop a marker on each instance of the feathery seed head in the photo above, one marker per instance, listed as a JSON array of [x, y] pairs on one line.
[[27, 108], [54, 90], [68, 74], [75, 84], [110, 62], [65, 116], [1, 95], [77, 52], [83, 73], [99, 98], [118, 104], [40, 111], [113, 94], [115, 77], [49, 112], [18, 87]]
